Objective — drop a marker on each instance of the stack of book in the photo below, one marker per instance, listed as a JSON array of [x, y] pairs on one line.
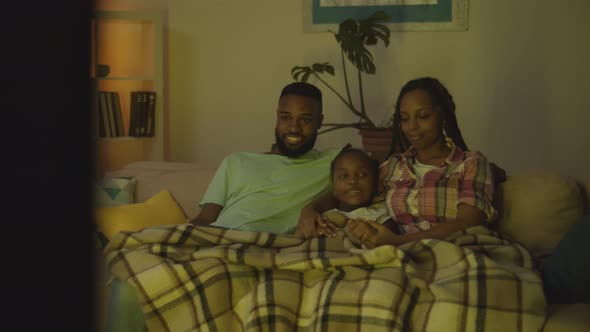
[[142, 113], [110, 118]]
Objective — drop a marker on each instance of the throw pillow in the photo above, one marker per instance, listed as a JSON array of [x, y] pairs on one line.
[[567, 271], [538, 209], [161, 209], [100, 240], [115, 191], [112, 191]]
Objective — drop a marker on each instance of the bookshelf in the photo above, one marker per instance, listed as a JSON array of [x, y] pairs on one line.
[[130, 43]]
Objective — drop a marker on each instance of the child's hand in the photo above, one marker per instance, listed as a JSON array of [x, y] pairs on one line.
[[372, 234]]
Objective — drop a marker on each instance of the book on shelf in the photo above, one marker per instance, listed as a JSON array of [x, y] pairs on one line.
[[134, 113], [100, 120], [117, 113], [104, 114], [110, 116], [151, 113], [111, 112], [142, 113]]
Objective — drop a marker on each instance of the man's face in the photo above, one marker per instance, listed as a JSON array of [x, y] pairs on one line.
[[298, 121]]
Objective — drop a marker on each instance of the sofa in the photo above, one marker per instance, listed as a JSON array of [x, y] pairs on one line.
[[535, 209]]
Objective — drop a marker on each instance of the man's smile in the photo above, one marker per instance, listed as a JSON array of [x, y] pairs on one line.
[[293, 139]]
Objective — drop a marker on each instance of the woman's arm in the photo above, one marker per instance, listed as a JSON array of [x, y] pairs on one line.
[[373, 234], [467, 216]]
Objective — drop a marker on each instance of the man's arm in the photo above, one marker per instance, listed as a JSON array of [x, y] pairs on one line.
[[208, 214], [217, 191], [311, 216]]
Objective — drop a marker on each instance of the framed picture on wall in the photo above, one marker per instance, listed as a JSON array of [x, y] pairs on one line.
[[404, 15]]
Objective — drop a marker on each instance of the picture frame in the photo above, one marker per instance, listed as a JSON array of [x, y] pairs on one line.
[[405, 15]]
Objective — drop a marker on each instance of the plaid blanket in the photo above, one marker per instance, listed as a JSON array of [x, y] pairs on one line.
[[211, 279]]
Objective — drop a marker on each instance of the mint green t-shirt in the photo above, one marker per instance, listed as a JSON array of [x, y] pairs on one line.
[[266, 192]]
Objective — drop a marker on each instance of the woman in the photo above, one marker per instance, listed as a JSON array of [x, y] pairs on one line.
[[433, 189]]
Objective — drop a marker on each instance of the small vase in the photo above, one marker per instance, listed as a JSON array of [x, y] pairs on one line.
[[102, 70], [377, 142]]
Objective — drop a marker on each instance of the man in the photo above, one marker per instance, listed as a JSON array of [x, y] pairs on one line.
[[256, 191], [265, 192]]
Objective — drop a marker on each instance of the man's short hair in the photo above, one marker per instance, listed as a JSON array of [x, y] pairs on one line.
[[303, 89]]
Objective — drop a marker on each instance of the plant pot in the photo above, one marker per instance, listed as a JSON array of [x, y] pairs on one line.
[[377, 142]]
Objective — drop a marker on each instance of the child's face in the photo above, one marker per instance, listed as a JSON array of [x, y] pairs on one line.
[[353, 181]]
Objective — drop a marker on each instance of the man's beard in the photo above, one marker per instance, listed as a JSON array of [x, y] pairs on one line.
[[292, 153]]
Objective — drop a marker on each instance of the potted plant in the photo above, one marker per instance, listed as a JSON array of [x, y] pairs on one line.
[[353, 37]]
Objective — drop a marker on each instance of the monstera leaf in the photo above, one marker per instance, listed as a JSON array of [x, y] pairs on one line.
[[370, 31], [302, 74], [353, 36]]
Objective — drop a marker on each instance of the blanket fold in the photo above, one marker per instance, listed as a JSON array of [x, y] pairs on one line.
[[192, 278]]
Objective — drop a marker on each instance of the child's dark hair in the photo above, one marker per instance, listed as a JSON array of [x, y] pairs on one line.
[[373, 163], [440, 97]]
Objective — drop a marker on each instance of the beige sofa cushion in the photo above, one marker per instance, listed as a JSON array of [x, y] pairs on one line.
[[568, 318], [187, 182], [535, 209], [538, 209]]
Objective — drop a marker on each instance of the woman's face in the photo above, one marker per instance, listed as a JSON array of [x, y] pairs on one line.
[[421, 120]]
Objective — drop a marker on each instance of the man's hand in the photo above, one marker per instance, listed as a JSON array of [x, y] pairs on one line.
[[372, 234], [208, 215], [309, 220], [312, 224]]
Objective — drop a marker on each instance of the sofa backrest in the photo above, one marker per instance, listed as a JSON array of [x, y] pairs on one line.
[[535, 209], [187, 182]]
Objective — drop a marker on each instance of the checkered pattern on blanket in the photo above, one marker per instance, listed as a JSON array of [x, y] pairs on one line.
[[211, 279]]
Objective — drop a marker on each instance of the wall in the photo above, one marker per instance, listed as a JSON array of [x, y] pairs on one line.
[[519, 77]]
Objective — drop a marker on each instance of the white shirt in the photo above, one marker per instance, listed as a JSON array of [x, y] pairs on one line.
[[421, 169], [375, 212]]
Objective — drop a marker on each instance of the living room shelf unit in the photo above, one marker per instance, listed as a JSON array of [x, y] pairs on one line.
[[130, 43]]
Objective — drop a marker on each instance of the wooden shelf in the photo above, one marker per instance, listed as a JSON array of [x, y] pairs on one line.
[[124, 78], [121, 138], [130, 43]]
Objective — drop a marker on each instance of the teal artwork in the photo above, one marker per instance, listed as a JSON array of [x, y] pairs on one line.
[[404, 15]]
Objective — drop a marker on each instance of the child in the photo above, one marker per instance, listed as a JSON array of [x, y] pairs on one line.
[[354, 177]]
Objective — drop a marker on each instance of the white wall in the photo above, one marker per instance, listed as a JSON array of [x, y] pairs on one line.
[[519, 76]]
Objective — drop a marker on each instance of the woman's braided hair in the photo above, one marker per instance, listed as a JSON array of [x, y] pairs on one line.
[[440, 97]]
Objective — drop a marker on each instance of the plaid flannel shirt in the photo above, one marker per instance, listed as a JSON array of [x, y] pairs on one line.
[[419, 205]]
